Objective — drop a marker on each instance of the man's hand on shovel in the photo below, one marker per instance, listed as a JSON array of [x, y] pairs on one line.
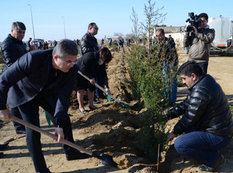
[[5, 115], [92, 81], [59, 133], [108, 92], [171, 136]]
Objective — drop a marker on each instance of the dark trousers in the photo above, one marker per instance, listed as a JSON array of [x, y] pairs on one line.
[[99, 93], [30, 114], [15, 112], [204, 66]]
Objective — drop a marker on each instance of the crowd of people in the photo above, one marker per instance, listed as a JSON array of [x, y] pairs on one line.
[[38, 76]]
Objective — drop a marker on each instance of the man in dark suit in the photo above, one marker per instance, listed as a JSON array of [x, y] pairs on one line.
[[42, 78]]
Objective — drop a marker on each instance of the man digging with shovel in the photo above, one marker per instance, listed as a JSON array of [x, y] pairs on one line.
[[42, 78]]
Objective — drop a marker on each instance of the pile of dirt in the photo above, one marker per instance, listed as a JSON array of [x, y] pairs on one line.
[[119, 77], [113, 129]]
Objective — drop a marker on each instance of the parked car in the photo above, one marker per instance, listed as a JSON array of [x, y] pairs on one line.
[[38, 43]]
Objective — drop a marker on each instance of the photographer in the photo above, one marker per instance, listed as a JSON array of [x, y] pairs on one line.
[[198, 40]]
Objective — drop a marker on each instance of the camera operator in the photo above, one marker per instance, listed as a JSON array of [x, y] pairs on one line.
[[198, 41]]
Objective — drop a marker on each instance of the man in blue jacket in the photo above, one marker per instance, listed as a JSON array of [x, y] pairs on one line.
[[42, 78], [206, 121]]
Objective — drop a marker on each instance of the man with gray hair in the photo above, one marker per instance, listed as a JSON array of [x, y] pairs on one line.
[[12, 48], [42, 78]]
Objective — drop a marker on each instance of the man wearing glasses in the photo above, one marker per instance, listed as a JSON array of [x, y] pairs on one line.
[[42, 78], [198, 44]]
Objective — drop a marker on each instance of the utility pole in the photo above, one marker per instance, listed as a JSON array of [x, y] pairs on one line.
[[63, 18], [32, 21]]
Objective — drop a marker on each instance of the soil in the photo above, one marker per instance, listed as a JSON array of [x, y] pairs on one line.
[[113, 130]]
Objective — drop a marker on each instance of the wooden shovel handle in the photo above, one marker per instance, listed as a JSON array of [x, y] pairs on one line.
[[7, 141], [37, 129], [98, 86]]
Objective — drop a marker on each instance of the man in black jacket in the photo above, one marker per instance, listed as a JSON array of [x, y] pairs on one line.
[[88, 41], [13, 48], [89, 44], [206, 121], [43, 78]]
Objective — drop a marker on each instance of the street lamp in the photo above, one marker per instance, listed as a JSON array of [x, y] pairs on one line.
[[32, 21], [64, 25]]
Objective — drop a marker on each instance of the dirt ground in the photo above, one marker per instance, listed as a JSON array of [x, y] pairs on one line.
[[112, 130]]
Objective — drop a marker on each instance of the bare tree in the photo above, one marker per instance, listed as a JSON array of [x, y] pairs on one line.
[[117, 34], [154, 16], [136, 28]]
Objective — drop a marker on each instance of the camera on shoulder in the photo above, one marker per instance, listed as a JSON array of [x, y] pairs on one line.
[[193, 20]]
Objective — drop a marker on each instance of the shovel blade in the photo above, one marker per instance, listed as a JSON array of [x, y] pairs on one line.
[[108, 98], [105, 159]]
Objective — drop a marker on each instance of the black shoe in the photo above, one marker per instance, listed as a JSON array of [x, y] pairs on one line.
[[1, 154], [47, 171], [216, 166], [83, 112], [96, 102], [93, 108], [206, 168], [4, 146], [20, 132], [76, 155]]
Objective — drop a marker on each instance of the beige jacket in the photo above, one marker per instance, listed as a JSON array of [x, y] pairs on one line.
[[199, 45]]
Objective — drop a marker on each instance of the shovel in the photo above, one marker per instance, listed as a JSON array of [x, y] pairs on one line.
[[105, 159], [102, 89]]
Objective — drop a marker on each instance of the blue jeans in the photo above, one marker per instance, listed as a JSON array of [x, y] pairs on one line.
[[98, 92], [201, 146], [171, 87], [174, 90]]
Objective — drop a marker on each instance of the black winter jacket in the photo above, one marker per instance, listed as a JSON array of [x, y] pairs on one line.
[[88, 44], [206, 109], [12, 49]]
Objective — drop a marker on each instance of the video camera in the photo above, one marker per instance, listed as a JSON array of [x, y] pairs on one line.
[[193, 20]]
